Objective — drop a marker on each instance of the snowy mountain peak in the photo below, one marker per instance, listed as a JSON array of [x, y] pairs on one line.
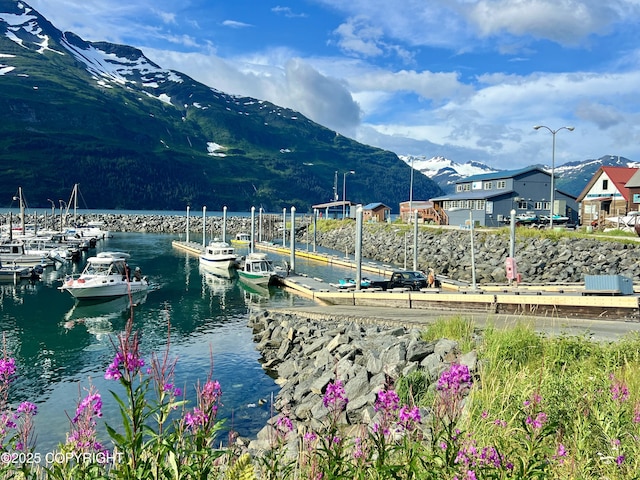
[[443, 171], [435, 165]]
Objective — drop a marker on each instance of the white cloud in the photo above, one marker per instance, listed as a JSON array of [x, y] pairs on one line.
[[235, 24]]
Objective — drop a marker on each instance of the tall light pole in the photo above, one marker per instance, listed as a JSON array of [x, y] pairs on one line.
[[344, 190], [53, 213], [335, 186], [553, 165], [411, 192]]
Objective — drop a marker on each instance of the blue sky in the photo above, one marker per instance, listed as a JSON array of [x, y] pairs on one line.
[[464, 79]]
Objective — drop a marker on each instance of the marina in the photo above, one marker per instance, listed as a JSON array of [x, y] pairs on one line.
[[551, 300]]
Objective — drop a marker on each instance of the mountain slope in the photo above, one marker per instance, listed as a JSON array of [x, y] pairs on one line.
[[136, 136]]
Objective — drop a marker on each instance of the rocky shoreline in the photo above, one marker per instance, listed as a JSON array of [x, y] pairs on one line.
[[305, 355]]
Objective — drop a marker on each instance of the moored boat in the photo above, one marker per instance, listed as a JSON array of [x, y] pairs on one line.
[[241, 239], [256, 269], [14, 253], [15, 273], [219, 255], [105, 276]]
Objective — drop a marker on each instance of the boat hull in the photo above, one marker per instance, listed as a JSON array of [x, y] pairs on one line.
[[255, 278], [104, 289], [218, 263]]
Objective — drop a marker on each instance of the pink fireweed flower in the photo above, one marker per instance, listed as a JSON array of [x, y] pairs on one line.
[[196, 419], [24, 425], [27, 408], [636, 413], [538, 422], [408, 418], [619, 391], [285, 424], [455, 380], [83, 435], [7, 369], [387, 401], [171, 389], [335, 398], [93, 403], [211, 392], [129, 362]]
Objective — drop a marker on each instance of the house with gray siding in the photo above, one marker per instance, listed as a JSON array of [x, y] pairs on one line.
[[489, 198]]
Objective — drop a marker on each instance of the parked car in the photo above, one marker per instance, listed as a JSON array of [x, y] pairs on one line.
[[412, 280]]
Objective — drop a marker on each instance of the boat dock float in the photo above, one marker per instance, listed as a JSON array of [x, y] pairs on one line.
[[549, 300]]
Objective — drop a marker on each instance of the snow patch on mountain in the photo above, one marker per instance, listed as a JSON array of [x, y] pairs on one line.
[[435, 165]]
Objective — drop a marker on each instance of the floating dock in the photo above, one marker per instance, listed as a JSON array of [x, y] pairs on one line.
[[550, 300]]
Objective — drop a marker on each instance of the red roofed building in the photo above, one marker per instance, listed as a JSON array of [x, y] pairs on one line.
[[606, 195]]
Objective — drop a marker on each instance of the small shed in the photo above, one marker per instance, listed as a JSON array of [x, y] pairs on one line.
[[376, 212]]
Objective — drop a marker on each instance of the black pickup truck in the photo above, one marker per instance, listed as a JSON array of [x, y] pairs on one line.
[[403, 279]]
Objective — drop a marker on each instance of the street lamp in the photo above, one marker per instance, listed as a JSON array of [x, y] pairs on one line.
[[411, 191], [62, 202], [53, 213], [553, 164], [344, 190]]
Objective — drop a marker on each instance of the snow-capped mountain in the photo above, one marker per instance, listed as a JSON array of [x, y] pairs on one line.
[[443, 171], [571, 177]]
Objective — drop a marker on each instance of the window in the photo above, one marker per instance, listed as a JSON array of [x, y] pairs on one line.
[[605, 184], [458, 188], [500, 184], [488, 185], [523, 205], [539, 206]]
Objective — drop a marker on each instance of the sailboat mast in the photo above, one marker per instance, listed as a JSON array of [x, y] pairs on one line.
[[22, 224], [74, 199]]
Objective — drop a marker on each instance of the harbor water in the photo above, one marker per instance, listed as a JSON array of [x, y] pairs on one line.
[[62, 347]]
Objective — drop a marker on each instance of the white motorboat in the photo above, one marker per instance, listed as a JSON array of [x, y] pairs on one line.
[[256, 269], [106, 275], [13, 253], [219, 255]]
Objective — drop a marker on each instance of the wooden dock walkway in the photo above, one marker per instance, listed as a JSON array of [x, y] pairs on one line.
[[551, 300]]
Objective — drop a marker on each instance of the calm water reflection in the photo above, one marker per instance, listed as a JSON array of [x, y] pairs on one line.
[[62, 347]]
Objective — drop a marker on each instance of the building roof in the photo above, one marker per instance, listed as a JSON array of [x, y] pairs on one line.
[[337, 203], [419, 204], [374, 206], [501, 174], [634, 181], [473, 195], [618, 175]]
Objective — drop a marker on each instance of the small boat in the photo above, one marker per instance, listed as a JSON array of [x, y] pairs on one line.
[[13, 252], [256, 269], [241, 239], [526, 218], [346, 283], [219, 255], [105, 276], [15, 273]]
